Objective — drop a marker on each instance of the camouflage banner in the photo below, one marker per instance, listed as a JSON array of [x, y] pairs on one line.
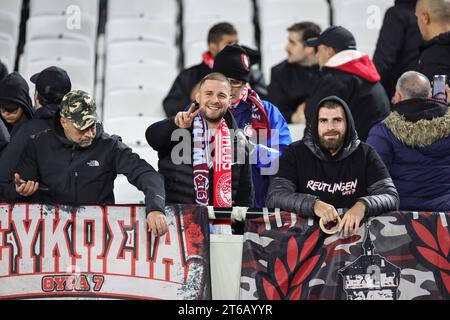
[[102, 252], [395, 256]]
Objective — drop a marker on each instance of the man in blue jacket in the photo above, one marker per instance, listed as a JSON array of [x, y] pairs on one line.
[[261, 122], [413, 142]]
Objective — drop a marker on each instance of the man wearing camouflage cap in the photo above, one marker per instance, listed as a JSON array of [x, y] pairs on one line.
[[75, 163]]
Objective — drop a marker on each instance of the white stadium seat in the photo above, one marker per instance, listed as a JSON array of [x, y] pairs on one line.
[[147, 103], [12, 6], [56, 49], [7, 52], [70, 8], [155, 10], [9, 25], [296, 130], [229, 10], [59, 27], [141, 52], [126, 193], [140, 29], [130, 129], [364, 20], [81, 73], [139, 76]]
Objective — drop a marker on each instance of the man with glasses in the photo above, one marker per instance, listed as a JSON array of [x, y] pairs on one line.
[[261, 122]]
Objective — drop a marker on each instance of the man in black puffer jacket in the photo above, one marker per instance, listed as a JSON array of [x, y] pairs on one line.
[[182, 183], [331, 168]]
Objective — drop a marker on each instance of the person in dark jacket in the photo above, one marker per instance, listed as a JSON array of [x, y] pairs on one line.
[[331, 168], [413, 142], [293, 80], [15, 102], [4, 137], [397, 49], [350, 75], [262, 123], [433, 18], [51, 84], [75, 163], [188, 180], [185, 86]]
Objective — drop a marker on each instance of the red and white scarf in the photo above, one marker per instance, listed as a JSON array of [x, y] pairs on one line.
[[221, 161], [259, 115]]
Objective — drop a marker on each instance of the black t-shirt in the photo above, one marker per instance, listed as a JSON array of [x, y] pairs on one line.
[[339, 183]]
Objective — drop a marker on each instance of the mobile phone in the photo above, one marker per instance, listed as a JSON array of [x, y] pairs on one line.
[[196, 106], [439, 82]]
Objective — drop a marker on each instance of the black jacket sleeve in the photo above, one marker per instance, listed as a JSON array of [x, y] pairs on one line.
[[278, 96], [142, 175], [179, 95], [282, 192], [382, 194], [159, 135], [4, 136], [389, 45]]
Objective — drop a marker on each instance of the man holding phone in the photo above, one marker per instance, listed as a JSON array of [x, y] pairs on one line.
[[413, 144]]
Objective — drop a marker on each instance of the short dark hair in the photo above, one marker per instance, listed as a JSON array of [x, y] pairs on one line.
[[218, 30], [46, 101], [331, 105], [215, 76], [307, 30]]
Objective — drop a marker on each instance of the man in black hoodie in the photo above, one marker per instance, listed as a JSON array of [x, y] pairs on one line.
[[75, 163], [51, 84], [15, 102], [433, 18], [331, 168], [351, 75]]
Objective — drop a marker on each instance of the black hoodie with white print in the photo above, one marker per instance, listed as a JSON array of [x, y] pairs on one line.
[[309, 172]]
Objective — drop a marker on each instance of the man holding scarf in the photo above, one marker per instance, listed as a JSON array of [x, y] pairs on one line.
[[262, 123], [195, 150]]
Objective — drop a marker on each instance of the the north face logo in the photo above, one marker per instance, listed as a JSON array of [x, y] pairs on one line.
[[93, 163]]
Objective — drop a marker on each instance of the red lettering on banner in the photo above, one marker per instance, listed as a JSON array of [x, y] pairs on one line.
[[5, 250], [70, 283]]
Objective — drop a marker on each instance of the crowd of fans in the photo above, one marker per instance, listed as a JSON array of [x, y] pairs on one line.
[[376, 136]]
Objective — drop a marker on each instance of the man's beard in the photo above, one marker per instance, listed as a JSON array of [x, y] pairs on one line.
[[213, 120], [332, 145]]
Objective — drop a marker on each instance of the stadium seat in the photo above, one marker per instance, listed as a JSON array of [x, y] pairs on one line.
[[296, 130], [132, 29], [7, 52], [9, 25], [130, 129], [229, 10], [87, 8], [141, 52], [126, 193], [292, 11], [59, 27], [121, 103], [12, 6], [81, 73], [139, 76], [155, 10], [56, 49], [363, 20]]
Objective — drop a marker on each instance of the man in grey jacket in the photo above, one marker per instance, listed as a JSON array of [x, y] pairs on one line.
[[331, 168]]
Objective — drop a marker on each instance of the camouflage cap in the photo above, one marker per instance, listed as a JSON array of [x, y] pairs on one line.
[[79, 108]]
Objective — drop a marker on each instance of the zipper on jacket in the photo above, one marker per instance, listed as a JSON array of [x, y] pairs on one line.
[[76, 186]]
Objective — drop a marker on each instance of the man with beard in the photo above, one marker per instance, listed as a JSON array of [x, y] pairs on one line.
[[331, 168], [202, 168], [75, 163]]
